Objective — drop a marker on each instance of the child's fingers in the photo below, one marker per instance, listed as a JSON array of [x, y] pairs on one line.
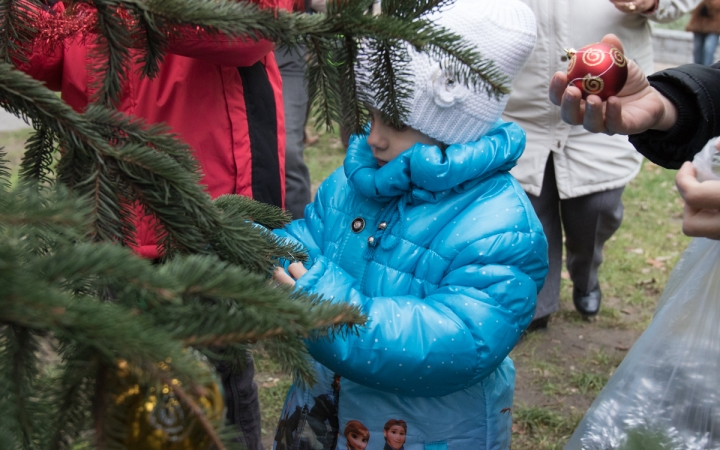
[[701, 223], [297, 270], [705, 195], [282, 277]]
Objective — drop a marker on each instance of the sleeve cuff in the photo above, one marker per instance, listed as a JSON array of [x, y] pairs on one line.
[[687, 119], [654, 8]]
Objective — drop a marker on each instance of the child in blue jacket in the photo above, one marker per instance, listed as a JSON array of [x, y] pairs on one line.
[[426, 231]]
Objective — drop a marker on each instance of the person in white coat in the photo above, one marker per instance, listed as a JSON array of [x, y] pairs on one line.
[[574, 178]]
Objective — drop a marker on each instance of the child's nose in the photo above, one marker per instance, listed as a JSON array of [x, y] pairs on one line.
[[376, 139]]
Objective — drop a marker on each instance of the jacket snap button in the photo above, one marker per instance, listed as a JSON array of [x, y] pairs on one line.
[[382, 225], [358, 225], [371, 241]]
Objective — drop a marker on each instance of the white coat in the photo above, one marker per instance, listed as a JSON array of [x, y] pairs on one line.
[[585, 163]]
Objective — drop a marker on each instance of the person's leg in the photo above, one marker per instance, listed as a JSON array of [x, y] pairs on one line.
[[546, 207], [711, 41], [698, 48], [242, 403], [589, 221], [295, 99]]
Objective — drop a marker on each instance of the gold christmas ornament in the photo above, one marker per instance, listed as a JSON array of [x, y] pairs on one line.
[[158, 420]]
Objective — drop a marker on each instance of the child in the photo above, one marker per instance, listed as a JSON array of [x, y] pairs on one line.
[[425, 230]]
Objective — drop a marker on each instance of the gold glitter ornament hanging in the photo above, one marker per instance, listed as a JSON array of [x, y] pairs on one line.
[[158, 420]]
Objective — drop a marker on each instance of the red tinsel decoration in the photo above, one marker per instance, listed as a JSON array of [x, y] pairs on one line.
[[58, 25], [61, 24]]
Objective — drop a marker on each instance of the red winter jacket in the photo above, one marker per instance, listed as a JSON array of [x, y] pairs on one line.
[[223, 97]]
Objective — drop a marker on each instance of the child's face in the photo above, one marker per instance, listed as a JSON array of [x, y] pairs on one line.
[[395, 436], [387, 142], [357, 441]]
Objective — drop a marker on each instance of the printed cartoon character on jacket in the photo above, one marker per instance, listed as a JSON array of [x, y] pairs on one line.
[[425, 230], [395, 432], [356, 435], [313, 423]]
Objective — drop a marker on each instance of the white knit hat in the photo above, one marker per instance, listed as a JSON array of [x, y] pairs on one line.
[[501, 30]]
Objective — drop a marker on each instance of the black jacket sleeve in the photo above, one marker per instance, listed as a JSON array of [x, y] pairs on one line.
[[695, 91]]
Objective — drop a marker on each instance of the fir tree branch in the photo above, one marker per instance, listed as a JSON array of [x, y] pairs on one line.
[[19, 379], [110, 55], [71, 401], [4, 171], [238, 207], [16, 30], [36, 166]]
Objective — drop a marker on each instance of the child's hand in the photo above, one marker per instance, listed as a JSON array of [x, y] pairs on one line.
[[701, 215], [296, 270]]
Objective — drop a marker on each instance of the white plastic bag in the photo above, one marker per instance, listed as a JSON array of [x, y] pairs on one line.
[[666, 392]]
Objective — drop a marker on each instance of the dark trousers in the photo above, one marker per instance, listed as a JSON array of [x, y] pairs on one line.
[[295, 100], [587, 221], [242, 403]]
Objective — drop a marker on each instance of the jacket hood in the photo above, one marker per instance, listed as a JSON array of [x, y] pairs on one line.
[[426, 173]]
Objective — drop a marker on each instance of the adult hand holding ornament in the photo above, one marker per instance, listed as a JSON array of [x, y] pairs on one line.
[[637, 107]]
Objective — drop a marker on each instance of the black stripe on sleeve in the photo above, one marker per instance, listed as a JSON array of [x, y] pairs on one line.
[[262, 126]]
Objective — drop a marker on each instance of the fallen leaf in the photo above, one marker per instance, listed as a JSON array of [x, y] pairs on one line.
[[655, 263], [565, 275]]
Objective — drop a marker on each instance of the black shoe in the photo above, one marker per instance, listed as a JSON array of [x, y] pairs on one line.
[[587, 304], [539, 324]]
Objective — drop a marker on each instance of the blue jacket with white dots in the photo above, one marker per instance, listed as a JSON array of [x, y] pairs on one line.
[[444, 253]]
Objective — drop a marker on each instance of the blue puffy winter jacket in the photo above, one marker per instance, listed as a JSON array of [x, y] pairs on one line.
[[443, 252]]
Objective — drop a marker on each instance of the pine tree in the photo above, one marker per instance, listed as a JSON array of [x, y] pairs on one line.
[[117, 326]]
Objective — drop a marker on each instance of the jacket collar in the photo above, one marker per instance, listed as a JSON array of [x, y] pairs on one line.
[[428, 174]]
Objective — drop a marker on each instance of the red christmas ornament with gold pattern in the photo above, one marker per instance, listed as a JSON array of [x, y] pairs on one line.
[[597, 69]]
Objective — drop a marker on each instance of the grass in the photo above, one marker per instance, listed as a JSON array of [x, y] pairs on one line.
[[678, 24], [638, 260]]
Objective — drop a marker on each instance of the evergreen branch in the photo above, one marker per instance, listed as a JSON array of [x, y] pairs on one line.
[[4, 171], [111, 331], [36, 166], [54, 212], [293, 357], [344, 318], [321, 76], [16, 30], [71, 400], [354, 112], [238, 207], [390, 80], [412, 10], [109, 263], [159, 181], [121, 129], [466, 65], [152, 40], [108, 70], [19, 351]]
